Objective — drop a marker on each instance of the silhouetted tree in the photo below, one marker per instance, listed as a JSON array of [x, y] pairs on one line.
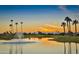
[[21, 32], [16, 32], [75, 22], [63, 24], [16, 27], [11, 20], [21, 26], [40, 32], [68, 20], [12, 25]]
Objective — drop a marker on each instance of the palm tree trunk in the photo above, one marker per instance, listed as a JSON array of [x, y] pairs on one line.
[[64, 29], [16, 29], [21, 28], [12, 28], [69, 27], [75, 28]]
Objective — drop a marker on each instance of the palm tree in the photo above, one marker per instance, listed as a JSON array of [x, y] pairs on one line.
[[63, 24], [21, 32], [10, 51], [12, 25], [68, 20], [75, 22], [21, 26], [16, 33], [16, 27], [11, 20]]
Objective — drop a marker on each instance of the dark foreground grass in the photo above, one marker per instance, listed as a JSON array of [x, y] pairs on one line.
[[66, 38], [59, 38]]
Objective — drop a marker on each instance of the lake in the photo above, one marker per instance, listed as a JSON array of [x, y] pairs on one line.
[[42, 46]]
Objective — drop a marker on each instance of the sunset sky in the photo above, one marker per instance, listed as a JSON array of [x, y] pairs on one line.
[[45, 18]]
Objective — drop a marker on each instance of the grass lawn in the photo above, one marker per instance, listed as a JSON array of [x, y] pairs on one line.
[[66, 38], [37, 36]]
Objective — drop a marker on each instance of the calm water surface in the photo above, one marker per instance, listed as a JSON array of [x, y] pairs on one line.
[[43, 46]]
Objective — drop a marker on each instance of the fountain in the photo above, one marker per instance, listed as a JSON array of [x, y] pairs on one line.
[[18, 38]]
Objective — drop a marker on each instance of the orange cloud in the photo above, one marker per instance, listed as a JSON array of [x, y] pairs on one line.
[[50, 28]]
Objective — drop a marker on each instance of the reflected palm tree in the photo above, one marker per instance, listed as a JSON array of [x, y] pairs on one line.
[[69, 48], [10, 49], [63, 24], [64, 48], [68, 20], [76, 48], [75, 22]]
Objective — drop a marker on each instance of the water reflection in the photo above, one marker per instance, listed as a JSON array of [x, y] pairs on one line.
[[64, 48], [11, 48], [69, 47], [76, 48], [44, 46]]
